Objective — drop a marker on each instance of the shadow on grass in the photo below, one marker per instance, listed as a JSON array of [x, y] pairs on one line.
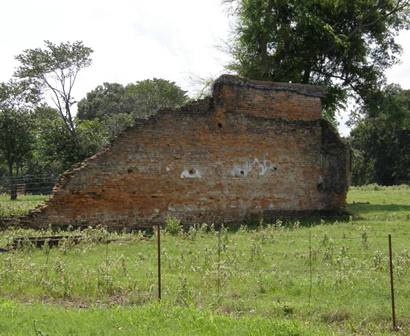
[[366, 208], [290, 219]]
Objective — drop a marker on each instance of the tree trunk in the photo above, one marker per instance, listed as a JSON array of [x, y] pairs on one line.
[[13, 187], [13, 190], [306, 75]]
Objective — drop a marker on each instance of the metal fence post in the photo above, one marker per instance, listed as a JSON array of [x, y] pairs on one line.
[[159, 260], [310, 266], [393, 307], [219, 264]]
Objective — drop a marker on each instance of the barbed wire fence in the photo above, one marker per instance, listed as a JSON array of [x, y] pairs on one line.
[[27, 184], [326, 268], [319, 270], [352, 274]]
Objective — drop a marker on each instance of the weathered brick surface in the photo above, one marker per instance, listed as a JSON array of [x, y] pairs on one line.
[[254, 148]]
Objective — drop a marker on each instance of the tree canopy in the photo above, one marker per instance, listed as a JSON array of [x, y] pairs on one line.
[[118, 106], [38, 139], [381, 141], [53, 149], [341, 44], [141, 99], [16, 135], [55, 68]]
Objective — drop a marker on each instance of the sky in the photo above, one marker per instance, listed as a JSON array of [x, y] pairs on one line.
[[178, 40]]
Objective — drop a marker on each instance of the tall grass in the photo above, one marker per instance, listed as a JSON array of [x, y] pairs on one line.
[[329, 275]]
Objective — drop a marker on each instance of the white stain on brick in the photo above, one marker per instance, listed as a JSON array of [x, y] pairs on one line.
[[191, 173], [244, 169]]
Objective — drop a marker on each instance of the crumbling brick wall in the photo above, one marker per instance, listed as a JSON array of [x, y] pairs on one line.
[[252, 149]]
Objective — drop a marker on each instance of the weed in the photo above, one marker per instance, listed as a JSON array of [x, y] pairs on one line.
[[364, 236], [379, 261], [339, 315], [38, 331], [183, 292], [173, 225]]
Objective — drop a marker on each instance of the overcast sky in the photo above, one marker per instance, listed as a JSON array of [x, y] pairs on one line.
[[133, 39]]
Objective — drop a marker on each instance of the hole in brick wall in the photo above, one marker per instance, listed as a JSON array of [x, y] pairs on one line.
[[275, 168], [129, 170], [191, 171], [220, 125], [242, 172]]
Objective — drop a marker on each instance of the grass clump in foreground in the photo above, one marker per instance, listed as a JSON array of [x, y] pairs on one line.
[[331, 276]]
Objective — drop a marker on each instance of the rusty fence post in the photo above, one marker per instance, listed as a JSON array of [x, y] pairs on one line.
[[393, 307], [159, 260], [219, 264], [13, 189], [310, 266]]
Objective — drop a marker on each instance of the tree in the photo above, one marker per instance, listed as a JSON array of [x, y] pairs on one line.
[[16, 140], [141, 99], [53, 147], [54, 151], [114, 124], [16, 136], [55, 68], [106, 99], [108, 104], [341, 44], [149, 96], [381, 141]]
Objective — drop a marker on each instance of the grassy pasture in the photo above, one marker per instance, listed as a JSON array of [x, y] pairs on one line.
[[276, 279], [21, 206]]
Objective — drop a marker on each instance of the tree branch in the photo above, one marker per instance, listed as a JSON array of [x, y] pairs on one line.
[[398, 8]]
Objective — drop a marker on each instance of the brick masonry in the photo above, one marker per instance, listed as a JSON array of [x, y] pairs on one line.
[[254, 149]]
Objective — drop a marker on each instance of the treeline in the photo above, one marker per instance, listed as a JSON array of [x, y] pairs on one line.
[[380, 140], [37, 139]]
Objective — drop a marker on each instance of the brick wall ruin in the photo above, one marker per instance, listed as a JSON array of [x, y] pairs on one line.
[[252, 149]]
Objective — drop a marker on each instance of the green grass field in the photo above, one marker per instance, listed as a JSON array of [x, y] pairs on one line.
[[21, 206], [276, 279]]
